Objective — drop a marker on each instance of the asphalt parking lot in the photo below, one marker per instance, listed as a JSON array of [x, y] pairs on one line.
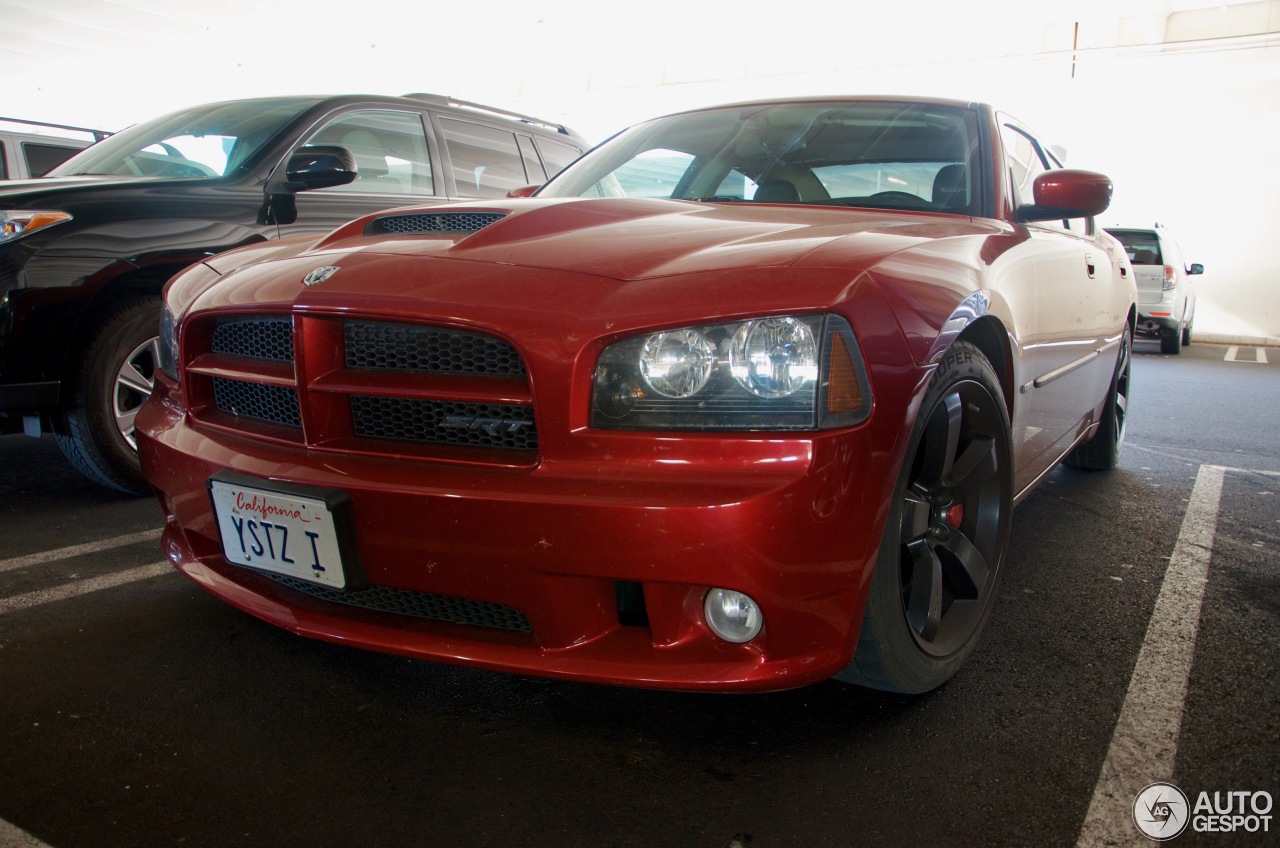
[[1136, 639]]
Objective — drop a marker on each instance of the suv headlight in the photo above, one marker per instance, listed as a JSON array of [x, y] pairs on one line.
[[789, 372], [16, 223]]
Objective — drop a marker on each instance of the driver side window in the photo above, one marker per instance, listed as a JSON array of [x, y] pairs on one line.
[[1025, 162], [390, 149]]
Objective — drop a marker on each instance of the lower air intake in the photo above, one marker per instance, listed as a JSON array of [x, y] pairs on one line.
[[418, 604]]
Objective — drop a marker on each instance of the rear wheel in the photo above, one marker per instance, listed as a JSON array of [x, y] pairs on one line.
[[1171, 340], [1102, 451], [115, 377], [946, 536]]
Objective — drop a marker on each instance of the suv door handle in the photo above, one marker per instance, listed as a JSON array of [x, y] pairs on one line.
[[1088, 263]]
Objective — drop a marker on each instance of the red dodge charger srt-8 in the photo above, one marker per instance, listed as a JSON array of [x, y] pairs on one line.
[[741, 400]]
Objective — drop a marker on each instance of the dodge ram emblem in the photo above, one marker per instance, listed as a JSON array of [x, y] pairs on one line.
[[319, 275]]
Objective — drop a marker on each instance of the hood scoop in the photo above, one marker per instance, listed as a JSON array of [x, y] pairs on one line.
[[431, 222]]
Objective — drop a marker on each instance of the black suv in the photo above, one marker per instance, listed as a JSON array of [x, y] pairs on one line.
[[85, 251]]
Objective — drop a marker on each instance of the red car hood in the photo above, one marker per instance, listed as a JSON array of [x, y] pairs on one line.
[[642, 239], [619, 239]]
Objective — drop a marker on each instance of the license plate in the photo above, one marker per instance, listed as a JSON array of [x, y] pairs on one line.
[[281, 528]]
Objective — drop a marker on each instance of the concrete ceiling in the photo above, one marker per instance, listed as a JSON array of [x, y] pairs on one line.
[[109, 63]]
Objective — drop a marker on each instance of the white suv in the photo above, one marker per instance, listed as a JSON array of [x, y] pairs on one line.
[[1166, 298]]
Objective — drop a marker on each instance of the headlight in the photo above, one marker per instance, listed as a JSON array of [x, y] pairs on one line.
[[677, 365], [774, 357], [168, 342], [800, 372], [16, 223]]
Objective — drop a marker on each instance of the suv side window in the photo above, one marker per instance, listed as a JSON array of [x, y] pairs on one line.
[[486, 161], [390, 149], [556, 156], [42, 158]]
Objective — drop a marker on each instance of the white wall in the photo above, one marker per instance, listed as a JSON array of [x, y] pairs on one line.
[[1177, 100]]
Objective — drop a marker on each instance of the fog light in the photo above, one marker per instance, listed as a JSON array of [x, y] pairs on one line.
[[732, 616]]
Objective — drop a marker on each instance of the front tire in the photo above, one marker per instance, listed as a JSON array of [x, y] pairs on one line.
[[946, 535], [114, 377]]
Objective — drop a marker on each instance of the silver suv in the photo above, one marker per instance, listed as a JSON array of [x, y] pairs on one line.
[[1166, 298], [33, 148]]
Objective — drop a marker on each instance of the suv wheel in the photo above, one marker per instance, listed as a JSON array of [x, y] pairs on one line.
[[114, 377], [1171, 340]]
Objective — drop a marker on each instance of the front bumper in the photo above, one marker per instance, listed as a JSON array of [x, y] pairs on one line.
[[792, 521]]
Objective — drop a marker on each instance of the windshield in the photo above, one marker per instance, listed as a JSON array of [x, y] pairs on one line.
[[873, 153], [207, 141]]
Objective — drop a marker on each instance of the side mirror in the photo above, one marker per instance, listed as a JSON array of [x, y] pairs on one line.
[[1196, 268], [320, 166], [523, 191], [1067, 193]]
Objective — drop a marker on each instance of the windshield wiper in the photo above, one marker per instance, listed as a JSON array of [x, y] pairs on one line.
[[717, 198]]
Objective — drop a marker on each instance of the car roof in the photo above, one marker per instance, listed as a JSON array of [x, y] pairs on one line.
[[839, 98], [416, 100]]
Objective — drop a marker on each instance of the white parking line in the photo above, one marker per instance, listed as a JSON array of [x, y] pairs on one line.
[[78, 550], [83, 587], [12, 837], [1145, 741], [1259, 354]]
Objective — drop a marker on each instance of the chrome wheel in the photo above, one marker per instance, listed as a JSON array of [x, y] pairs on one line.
[[134, 382]]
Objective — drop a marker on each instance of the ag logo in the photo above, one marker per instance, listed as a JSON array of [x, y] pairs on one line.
[[1161, 811], [319, 275]]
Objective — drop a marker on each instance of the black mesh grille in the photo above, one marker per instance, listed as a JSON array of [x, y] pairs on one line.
[[420, 604], [431, 349], [253, 400], [439, 222], [444, 422], [258, 338]]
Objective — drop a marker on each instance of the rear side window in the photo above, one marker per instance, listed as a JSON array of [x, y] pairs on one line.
[[1142, 248], [486, 161], [4, 169], [42, 158]]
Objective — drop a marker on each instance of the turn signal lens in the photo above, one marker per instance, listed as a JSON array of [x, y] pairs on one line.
[[844, 394], [20, 222]]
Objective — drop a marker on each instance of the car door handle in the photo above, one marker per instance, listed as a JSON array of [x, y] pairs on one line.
[[1088, 263]]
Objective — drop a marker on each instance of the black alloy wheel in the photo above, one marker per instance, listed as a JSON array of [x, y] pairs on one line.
[[950, 519], [946, 536]]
